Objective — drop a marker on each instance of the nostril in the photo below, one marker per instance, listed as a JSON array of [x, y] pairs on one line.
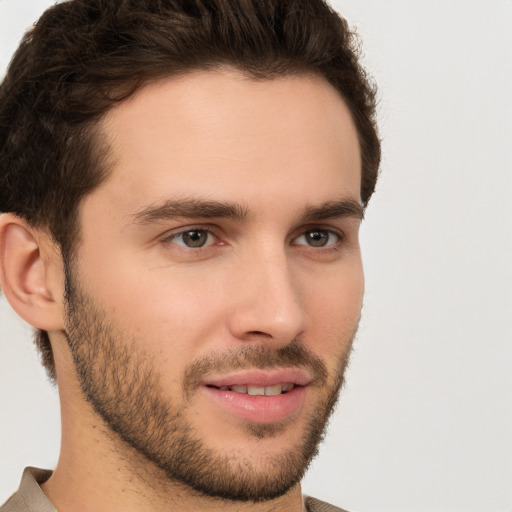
[[259, 333]]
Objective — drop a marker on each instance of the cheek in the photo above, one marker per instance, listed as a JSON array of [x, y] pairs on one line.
[[336, 316], [174, 313], [334, 307]]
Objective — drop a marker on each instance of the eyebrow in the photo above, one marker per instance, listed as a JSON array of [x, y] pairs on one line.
[[189, 208], [204, 209], [334, 210]]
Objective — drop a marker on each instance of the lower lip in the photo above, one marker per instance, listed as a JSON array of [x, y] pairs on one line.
[[260, 409]]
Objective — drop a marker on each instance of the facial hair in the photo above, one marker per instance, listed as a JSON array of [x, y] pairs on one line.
[[122, 383]]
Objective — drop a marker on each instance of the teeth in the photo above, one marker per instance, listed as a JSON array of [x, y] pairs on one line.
[[255, 390], [260, 390], [273, 390]]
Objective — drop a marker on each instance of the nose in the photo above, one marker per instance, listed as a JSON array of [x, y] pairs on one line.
[[267, 305]]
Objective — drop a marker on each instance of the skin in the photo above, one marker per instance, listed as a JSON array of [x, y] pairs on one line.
[[275, 148]]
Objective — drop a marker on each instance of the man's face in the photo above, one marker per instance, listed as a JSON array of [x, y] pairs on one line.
[[218, 283]]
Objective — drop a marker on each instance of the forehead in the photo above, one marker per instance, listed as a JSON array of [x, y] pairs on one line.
[[220, 133]]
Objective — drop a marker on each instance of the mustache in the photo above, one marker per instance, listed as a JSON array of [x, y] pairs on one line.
[[293, 355]]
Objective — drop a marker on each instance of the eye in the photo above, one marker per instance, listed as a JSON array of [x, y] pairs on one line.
[[192, 238], [319, 238]]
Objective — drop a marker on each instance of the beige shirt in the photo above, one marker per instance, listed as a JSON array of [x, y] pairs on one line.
[[30, 498]]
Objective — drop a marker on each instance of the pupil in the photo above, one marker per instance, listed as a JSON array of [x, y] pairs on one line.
[[194, 238], [317, 238]]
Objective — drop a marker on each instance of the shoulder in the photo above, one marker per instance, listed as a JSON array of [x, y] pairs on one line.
[[15, 503], [314, 505], [29, 497]]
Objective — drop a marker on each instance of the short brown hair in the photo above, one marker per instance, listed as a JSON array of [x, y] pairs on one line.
[[84, 56]]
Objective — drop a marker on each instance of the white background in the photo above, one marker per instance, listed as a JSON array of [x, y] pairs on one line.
[[425, 421]]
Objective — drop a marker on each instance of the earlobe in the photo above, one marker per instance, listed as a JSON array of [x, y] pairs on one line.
[[30, 274]]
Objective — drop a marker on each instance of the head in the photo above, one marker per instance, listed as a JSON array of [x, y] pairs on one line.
[[89, 70]]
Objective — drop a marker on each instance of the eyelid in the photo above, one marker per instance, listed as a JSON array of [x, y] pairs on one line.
[[338, 233], [170, 236]]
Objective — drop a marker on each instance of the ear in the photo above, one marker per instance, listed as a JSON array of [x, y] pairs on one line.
[[31, 273]]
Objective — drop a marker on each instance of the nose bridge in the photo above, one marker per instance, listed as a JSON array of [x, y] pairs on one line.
[[267, 299]]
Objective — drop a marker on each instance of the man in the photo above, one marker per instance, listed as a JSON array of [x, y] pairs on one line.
[[182, 184]]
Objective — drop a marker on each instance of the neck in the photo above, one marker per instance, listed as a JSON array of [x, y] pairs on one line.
[[93, 476], [98, 471]]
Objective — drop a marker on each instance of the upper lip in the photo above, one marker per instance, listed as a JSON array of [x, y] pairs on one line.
[[261, 378]]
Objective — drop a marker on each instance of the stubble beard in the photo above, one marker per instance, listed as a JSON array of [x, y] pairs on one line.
[[122, 384]]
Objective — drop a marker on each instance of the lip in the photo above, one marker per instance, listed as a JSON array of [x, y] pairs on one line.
[[259, 409], [261, 378]]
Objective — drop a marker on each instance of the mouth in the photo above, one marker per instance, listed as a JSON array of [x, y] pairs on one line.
[[260, 396], [255, 390]]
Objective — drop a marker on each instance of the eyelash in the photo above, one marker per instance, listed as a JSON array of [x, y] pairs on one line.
[[331, 233], [172, 237]]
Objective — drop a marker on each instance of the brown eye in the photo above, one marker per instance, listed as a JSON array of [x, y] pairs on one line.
[[318, 238], [193, 238]]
